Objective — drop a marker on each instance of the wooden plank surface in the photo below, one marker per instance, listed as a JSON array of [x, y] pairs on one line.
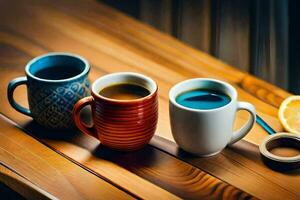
[[113, 42], [49, 171], [132, 171], [125, 180], [21, 185], [242, 167]]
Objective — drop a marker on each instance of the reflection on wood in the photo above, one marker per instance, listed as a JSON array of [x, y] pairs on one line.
[[242, 161], [47, 170], [149, 163]]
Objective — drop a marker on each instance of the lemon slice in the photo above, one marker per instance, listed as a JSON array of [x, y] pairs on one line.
[[289, 114]]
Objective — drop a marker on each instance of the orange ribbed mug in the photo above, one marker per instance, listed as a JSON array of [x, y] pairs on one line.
[[124, 125]]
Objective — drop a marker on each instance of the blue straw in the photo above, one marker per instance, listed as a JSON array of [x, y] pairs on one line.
[[264, 125]]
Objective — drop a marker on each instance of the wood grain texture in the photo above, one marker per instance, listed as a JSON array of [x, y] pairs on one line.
[[241, 166], [49, 171], [20, 184], [132, 170], [115, 42]]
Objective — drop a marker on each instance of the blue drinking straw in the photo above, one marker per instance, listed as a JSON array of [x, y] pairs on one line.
[[264, 125]]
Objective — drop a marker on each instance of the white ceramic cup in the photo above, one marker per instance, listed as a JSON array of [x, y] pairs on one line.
[[207, 132]]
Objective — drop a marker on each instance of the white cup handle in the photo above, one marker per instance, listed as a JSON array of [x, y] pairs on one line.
[[239, 134]]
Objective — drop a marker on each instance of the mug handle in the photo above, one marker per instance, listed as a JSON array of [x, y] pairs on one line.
[[89, 130], [239, 134], [13, 84]]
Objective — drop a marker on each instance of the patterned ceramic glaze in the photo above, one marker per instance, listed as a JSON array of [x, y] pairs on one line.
[[51, 101], [121, 124]]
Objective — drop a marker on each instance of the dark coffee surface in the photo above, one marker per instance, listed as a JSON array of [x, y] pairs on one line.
[[203, 99], [57, 72], [124, 91]]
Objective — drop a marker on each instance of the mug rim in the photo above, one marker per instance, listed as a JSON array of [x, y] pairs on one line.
[[227, 85], [148, 79], [76, 56]]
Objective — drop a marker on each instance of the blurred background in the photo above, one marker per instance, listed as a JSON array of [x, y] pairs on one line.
[[257, 36]]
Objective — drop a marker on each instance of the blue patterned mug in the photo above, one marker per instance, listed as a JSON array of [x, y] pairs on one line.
[[55, 82]]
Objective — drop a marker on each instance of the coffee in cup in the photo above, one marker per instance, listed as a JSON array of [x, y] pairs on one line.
[[124, 91]]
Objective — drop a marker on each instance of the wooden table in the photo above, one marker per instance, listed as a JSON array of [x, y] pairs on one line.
[[39, 163]]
